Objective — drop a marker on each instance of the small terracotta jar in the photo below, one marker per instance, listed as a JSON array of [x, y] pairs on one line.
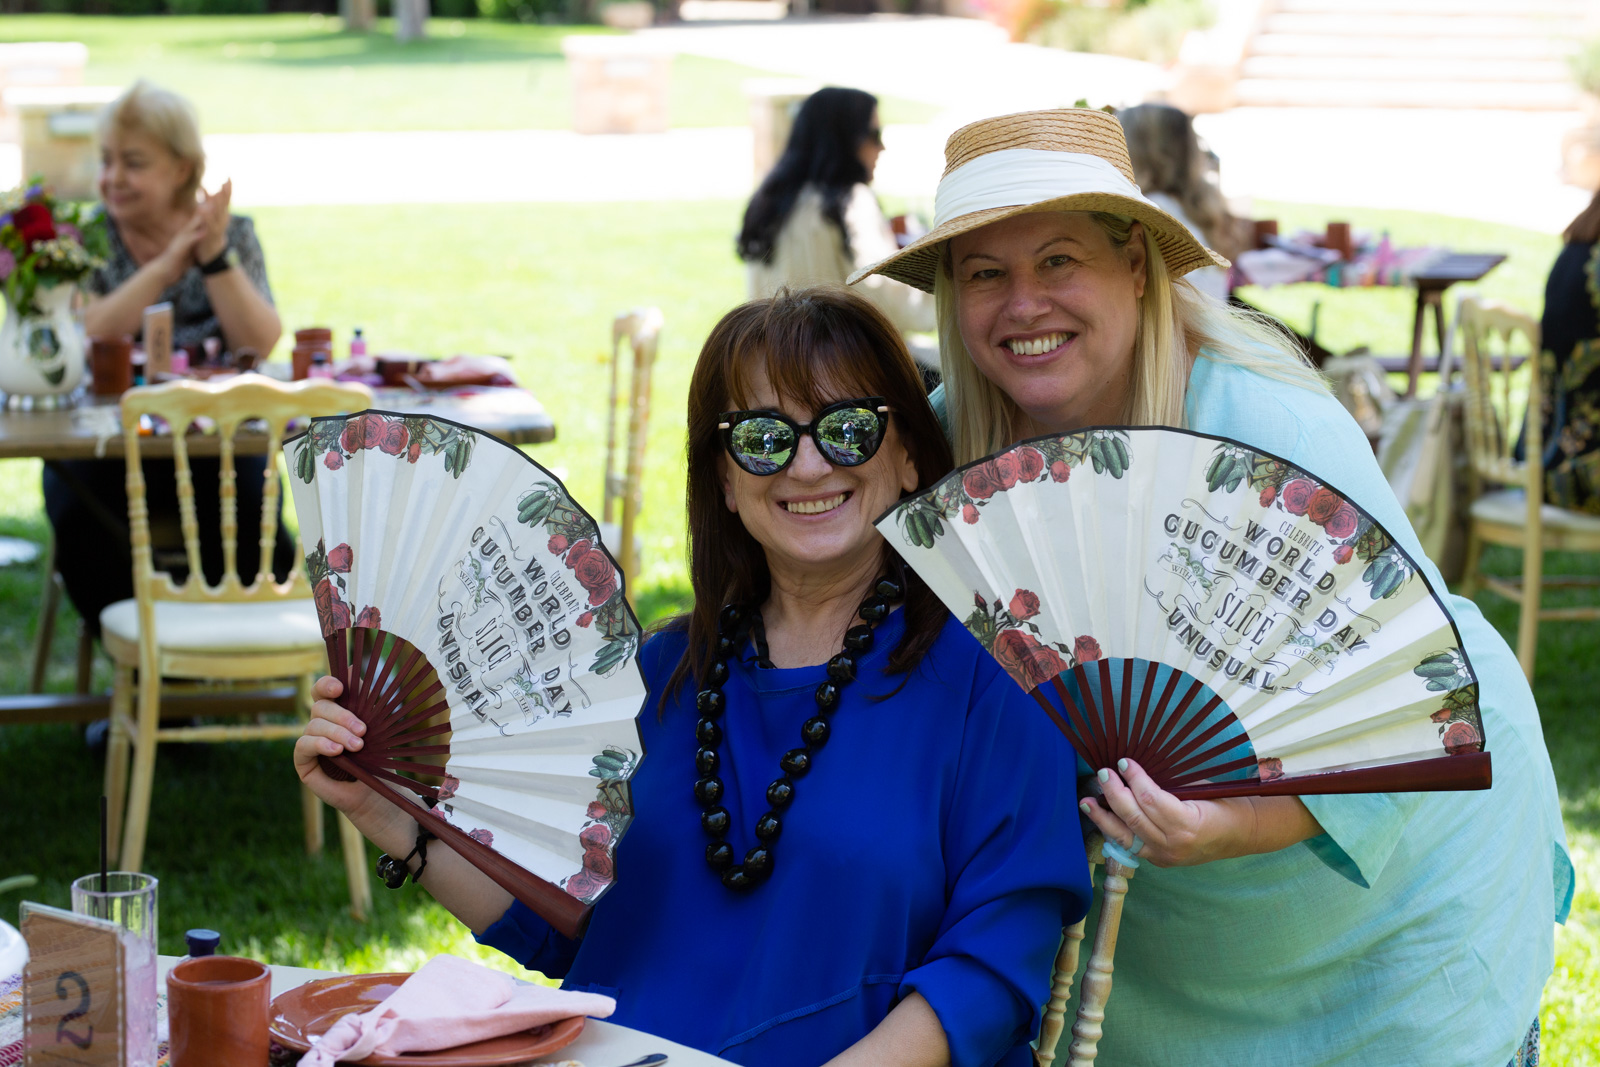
[[319, 336], [110, 365], [217, 1009]]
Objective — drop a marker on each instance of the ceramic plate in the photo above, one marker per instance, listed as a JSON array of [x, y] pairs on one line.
[[311, 1009]]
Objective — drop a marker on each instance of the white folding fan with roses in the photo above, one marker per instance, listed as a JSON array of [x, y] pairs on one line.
[[480, 630], [1229, 622]]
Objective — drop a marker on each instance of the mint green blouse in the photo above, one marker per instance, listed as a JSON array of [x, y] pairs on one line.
[[1418, 929]]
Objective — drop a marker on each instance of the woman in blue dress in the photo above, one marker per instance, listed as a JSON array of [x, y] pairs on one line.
[[1409, 928], [870, 858]]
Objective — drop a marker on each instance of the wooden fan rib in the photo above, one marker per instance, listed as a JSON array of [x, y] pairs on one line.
[[1124, 699], [1152, 730], [1142, 709], [369, 676], [1178, 744], [1190, 775], [1438, 774], [1086, 743], [421, 733], [421, 789], [550, 902], [408, 717], [1083, 700], [1108, 714], [391, 690], [1055, 716], [394, 763]]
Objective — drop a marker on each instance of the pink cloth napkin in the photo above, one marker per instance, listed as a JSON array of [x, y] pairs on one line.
[[450, 1002]]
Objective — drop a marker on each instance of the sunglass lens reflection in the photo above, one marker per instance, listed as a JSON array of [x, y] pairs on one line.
[[763, 446], [849, 437]]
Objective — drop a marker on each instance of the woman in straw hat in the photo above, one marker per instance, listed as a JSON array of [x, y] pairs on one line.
[[1389, 928]]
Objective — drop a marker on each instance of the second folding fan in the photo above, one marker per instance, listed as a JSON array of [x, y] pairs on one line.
[[1235, 625]]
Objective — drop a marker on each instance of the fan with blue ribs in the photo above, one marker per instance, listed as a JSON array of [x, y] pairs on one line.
[[481, 632], [1232, 623]]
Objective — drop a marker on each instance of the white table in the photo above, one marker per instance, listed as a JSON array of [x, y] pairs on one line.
[[602, 1044]]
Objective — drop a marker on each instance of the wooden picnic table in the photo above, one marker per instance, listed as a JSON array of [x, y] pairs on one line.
[[1431, 283]]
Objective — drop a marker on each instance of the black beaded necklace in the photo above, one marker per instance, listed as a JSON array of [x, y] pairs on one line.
[[735, 623]]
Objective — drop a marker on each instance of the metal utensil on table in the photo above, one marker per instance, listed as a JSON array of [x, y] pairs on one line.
[[648, 1061]]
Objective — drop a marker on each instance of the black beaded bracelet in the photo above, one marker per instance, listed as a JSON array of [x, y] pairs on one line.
[[395, 872]]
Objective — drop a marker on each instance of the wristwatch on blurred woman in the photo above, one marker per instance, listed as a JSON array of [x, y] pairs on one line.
[[227, 259]]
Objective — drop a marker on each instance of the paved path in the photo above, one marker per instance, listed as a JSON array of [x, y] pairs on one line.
[[1492, 165]]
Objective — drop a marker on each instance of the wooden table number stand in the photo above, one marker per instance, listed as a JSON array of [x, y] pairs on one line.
[[1096, 991], [75, 1003]]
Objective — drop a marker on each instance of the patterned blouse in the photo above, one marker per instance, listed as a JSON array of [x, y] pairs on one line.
[[1569, 379], [193, 319]]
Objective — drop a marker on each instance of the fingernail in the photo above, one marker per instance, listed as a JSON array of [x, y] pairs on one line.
[[355, 742], [1105, 775], [1083, 806], [1122, 765]]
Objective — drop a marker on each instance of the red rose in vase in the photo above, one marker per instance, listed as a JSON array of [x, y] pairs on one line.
[[369, 616], [1025, 604], [1086, 649], [1460, 738], [1296, 494], [1268, 495], [1322, 505], [1342, 523], [1030, 463], [1025, 659], [597, 810], [395, 438], [1059, 471], [333, 459], [340, 559], [981, 482], [596, 836], [598, 864], [34, 223], [1342, 553], [1269, 769], [1007, 469], [557, 544], [969, 514]]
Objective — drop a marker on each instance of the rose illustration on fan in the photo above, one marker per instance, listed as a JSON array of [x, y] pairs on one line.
[[1042, 459], [1460, 723], [1013, 639], [608, 816], [406, 437], [326, 569]]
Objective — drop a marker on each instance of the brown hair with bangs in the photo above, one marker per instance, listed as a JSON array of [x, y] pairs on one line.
[[816, 346]]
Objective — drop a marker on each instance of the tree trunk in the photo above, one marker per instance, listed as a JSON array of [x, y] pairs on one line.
[[357, 14], [411, 19]]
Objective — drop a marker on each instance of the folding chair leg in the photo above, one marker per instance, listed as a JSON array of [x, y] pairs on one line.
[[144, 768], [1528, 620], [85, 657], [118, 743], [47, 625], [1053, 1018], [1096, 990], [310, 804], [1469, 569], [355, 869]]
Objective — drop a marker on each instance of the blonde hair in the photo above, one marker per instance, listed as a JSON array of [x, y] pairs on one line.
[[168, 118], [1177, 325]]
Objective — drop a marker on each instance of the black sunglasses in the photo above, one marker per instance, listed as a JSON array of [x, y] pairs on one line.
[[847, 433], [875, 136]]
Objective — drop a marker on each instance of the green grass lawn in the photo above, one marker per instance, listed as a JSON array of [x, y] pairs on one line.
[[540, 282], [303, 73]]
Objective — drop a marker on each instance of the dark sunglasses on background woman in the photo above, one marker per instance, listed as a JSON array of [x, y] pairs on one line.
[[847, 434]]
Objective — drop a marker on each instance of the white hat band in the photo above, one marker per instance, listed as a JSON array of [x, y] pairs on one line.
[[1016, 176]]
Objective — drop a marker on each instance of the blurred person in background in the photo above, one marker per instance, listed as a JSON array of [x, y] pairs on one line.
[[169, 242], [1175, 173], [1569, 369], [814, 220]]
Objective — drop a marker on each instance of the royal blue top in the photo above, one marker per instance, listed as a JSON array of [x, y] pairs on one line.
[[934, 848]]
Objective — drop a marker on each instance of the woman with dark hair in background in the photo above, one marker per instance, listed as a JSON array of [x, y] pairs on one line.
[[815, 220], [1569, 370], [1176, 174]]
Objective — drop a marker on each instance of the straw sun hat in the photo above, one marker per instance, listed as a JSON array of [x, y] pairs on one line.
[[1070, 159]]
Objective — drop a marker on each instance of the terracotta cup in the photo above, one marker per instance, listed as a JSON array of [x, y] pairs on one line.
[[1265, 228], [300, 361], [217, 1009], [314, 336], [1338, 239], [111, 365]]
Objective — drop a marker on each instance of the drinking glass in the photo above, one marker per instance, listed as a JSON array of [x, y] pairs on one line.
[[128, 899]]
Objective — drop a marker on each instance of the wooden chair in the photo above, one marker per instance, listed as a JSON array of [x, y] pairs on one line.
[[218, 634], [625, 486], [1087, 1029], [49, 604], [1507, 494]]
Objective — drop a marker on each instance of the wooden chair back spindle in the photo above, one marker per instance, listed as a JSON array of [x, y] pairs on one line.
[[1492, 416], [624, 488]]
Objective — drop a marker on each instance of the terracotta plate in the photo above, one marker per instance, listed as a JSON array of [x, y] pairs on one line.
[[311, 1009]]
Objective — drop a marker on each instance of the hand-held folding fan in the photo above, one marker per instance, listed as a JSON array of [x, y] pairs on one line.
[[1232, 623], [481, 633]]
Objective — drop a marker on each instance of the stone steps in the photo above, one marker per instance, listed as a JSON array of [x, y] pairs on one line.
[[1298, 92], [1404, 69], [1464, 48]]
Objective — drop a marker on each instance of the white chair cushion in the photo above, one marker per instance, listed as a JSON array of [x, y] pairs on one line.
[[266, 626], [1510, 507]]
